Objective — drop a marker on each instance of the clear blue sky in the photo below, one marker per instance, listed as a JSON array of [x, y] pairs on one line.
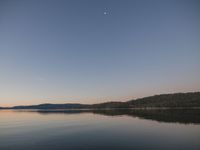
[[92, 51]]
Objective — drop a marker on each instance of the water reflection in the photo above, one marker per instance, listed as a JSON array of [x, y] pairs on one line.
[[99, 129], [183, 116]]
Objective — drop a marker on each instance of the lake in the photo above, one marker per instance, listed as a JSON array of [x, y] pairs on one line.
[[100, 129]]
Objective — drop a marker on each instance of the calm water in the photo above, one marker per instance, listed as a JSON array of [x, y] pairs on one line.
[[100, 130]]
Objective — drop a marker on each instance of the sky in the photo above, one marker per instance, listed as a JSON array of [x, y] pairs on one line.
[[91, 51]]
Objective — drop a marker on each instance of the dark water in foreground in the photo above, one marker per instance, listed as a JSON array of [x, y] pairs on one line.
[[100, 130]]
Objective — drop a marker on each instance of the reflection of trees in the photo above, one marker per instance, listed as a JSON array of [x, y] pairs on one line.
[[185, 116]]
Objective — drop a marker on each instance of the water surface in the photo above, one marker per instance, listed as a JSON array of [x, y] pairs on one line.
[[99, 129]]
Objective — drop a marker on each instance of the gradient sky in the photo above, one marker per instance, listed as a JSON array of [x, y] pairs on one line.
[[92, 51]]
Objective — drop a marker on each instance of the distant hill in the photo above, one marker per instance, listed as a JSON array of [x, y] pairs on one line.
[[176, 100]]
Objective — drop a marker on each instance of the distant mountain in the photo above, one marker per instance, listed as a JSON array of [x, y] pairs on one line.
[[176, 100], [52, 106]]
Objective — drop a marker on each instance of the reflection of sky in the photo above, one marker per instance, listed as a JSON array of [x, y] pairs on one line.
[[34, 130], [69, 51]]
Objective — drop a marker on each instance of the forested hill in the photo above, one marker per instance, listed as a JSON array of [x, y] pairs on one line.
[[176, 100], [168, 100], [164, 100]]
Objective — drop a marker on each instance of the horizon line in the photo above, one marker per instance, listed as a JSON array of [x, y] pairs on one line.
[[101, 102]]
